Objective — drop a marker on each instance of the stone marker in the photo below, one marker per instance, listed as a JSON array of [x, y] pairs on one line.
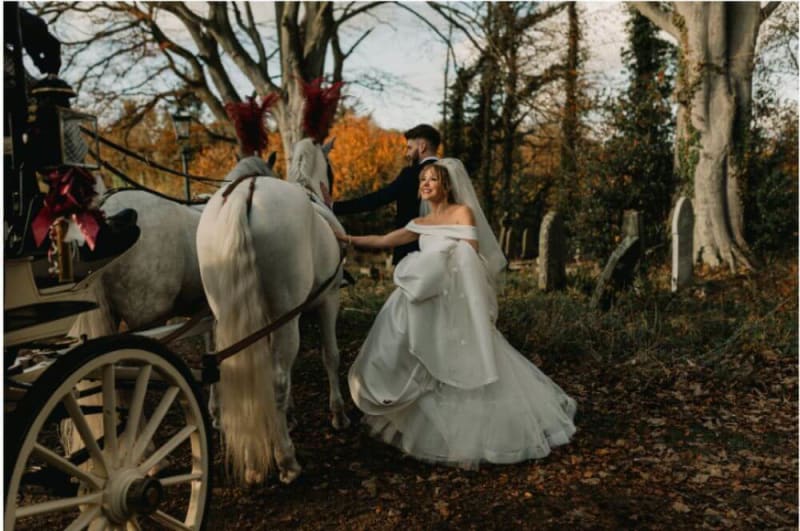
[[682, 242], [528, 244], [507, 243], [618, 272], [552, 253], [632, 224]]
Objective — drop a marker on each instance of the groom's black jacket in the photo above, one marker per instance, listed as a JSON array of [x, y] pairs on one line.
[[405, 190]]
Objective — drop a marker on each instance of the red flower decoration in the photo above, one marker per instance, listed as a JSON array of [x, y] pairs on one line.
[[320, 107], [70, 196], [248, 118]]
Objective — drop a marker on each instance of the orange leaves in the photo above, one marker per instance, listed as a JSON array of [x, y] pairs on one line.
[[364, 157]]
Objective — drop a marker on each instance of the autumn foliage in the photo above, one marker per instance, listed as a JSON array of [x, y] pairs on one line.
[[364, 158]]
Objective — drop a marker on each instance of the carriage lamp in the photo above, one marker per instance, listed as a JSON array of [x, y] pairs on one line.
[[58, 135], [182, 123]]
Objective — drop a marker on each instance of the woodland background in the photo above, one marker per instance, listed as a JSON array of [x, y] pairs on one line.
[[688, 401]]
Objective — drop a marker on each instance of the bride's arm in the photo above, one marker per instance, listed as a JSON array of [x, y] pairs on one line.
[[375, 241]]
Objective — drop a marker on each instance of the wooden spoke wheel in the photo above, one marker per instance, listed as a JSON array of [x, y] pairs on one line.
[[111, 436]]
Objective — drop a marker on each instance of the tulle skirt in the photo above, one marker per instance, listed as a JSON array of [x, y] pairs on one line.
[[519, 416]]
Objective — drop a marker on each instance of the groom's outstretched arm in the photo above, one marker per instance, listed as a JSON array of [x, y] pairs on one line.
[[373, 200]]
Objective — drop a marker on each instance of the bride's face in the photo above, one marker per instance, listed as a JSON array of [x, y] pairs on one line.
[[431, 187]]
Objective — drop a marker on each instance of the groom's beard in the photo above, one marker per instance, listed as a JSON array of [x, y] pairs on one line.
[[414, 159]]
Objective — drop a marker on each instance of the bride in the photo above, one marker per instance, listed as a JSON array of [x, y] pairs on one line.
[[434, 377]]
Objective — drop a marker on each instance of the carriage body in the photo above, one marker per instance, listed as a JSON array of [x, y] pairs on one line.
[[100, 433]]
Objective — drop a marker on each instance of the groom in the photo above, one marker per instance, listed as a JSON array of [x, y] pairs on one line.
[[422, 142]]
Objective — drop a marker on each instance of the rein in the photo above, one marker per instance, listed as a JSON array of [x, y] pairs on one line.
[[119, 173]]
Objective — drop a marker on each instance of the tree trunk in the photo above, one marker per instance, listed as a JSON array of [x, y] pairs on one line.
[[303, 46], [720, 114], [569, 123], [510, 105], [717, 44]]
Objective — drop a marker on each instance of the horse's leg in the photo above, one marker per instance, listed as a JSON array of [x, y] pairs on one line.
[[328, 311], [285, 344]]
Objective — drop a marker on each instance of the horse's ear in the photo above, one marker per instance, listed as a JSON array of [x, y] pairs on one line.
[[328, 146], [271, 159]]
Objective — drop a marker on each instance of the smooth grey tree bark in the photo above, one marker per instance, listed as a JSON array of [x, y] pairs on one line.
[[717, 42]]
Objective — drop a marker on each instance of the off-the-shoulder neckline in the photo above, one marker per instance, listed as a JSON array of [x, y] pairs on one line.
[[443, 225]]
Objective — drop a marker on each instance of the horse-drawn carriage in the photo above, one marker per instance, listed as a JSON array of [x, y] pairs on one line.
[[111, 432], [106, 433]]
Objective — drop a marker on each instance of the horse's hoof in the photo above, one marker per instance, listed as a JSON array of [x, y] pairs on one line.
[[340, 420], [290, 474]]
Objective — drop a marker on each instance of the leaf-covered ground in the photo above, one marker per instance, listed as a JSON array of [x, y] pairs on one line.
[[687, 419]]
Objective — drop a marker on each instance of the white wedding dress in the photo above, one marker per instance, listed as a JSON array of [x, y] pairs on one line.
[[436, 379]]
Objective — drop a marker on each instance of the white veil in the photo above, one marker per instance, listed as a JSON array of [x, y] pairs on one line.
[[464, 194]]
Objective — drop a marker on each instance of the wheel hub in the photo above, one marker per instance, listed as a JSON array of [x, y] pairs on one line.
[[144, 495], [129, 492]]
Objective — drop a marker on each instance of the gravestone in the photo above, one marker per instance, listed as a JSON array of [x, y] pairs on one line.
[[682, 243], [619, 271], [528, 244], [632, 224], [621, 266], [507, 243], [552, 253], [502, 238]]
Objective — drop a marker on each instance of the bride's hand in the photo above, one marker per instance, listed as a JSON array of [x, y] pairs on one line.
[[342, 237]]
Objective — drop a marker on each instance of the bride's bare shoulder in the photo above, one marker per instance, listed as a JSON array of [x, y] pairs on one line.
[[462, 215]]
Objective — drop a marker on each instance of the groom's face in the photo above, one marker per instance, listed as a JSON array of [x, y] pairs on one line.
[[413, 150]]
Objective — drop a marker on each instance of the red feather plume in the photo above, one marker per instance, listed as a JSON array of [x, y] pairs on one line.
[[248, 118], [320, 107]]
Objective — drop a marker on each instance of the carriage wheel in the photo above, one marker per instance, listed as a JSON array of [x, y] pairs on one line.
[[144, 458]]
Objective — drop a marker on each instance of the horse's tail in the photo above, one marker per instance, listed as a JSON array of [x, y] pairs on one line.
[[248, 410], [98, 322]]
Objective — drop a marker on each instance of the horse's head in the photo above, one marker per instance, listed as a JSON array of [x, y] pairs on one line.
[[311, 170]]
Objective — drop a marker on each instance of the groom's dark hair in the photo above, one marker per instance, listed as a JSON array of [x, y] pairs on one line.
[[428, 132]]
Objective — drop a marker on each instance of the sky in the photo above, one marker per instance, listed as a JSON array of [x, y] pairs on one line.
[[411, 52], [404, 47], [405, 56], [409, 59]]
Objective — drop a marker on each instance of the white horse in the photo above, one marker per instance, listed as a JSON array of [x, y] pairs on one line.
[[262, 250], [158, 278]]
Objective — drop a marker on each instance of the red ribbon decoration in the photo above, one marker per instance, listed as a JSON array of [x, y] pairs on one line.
[[70, 196]]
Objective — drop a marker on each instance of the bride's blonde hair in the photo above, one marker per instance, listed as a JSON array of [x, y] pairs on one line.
[[444, 178]]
